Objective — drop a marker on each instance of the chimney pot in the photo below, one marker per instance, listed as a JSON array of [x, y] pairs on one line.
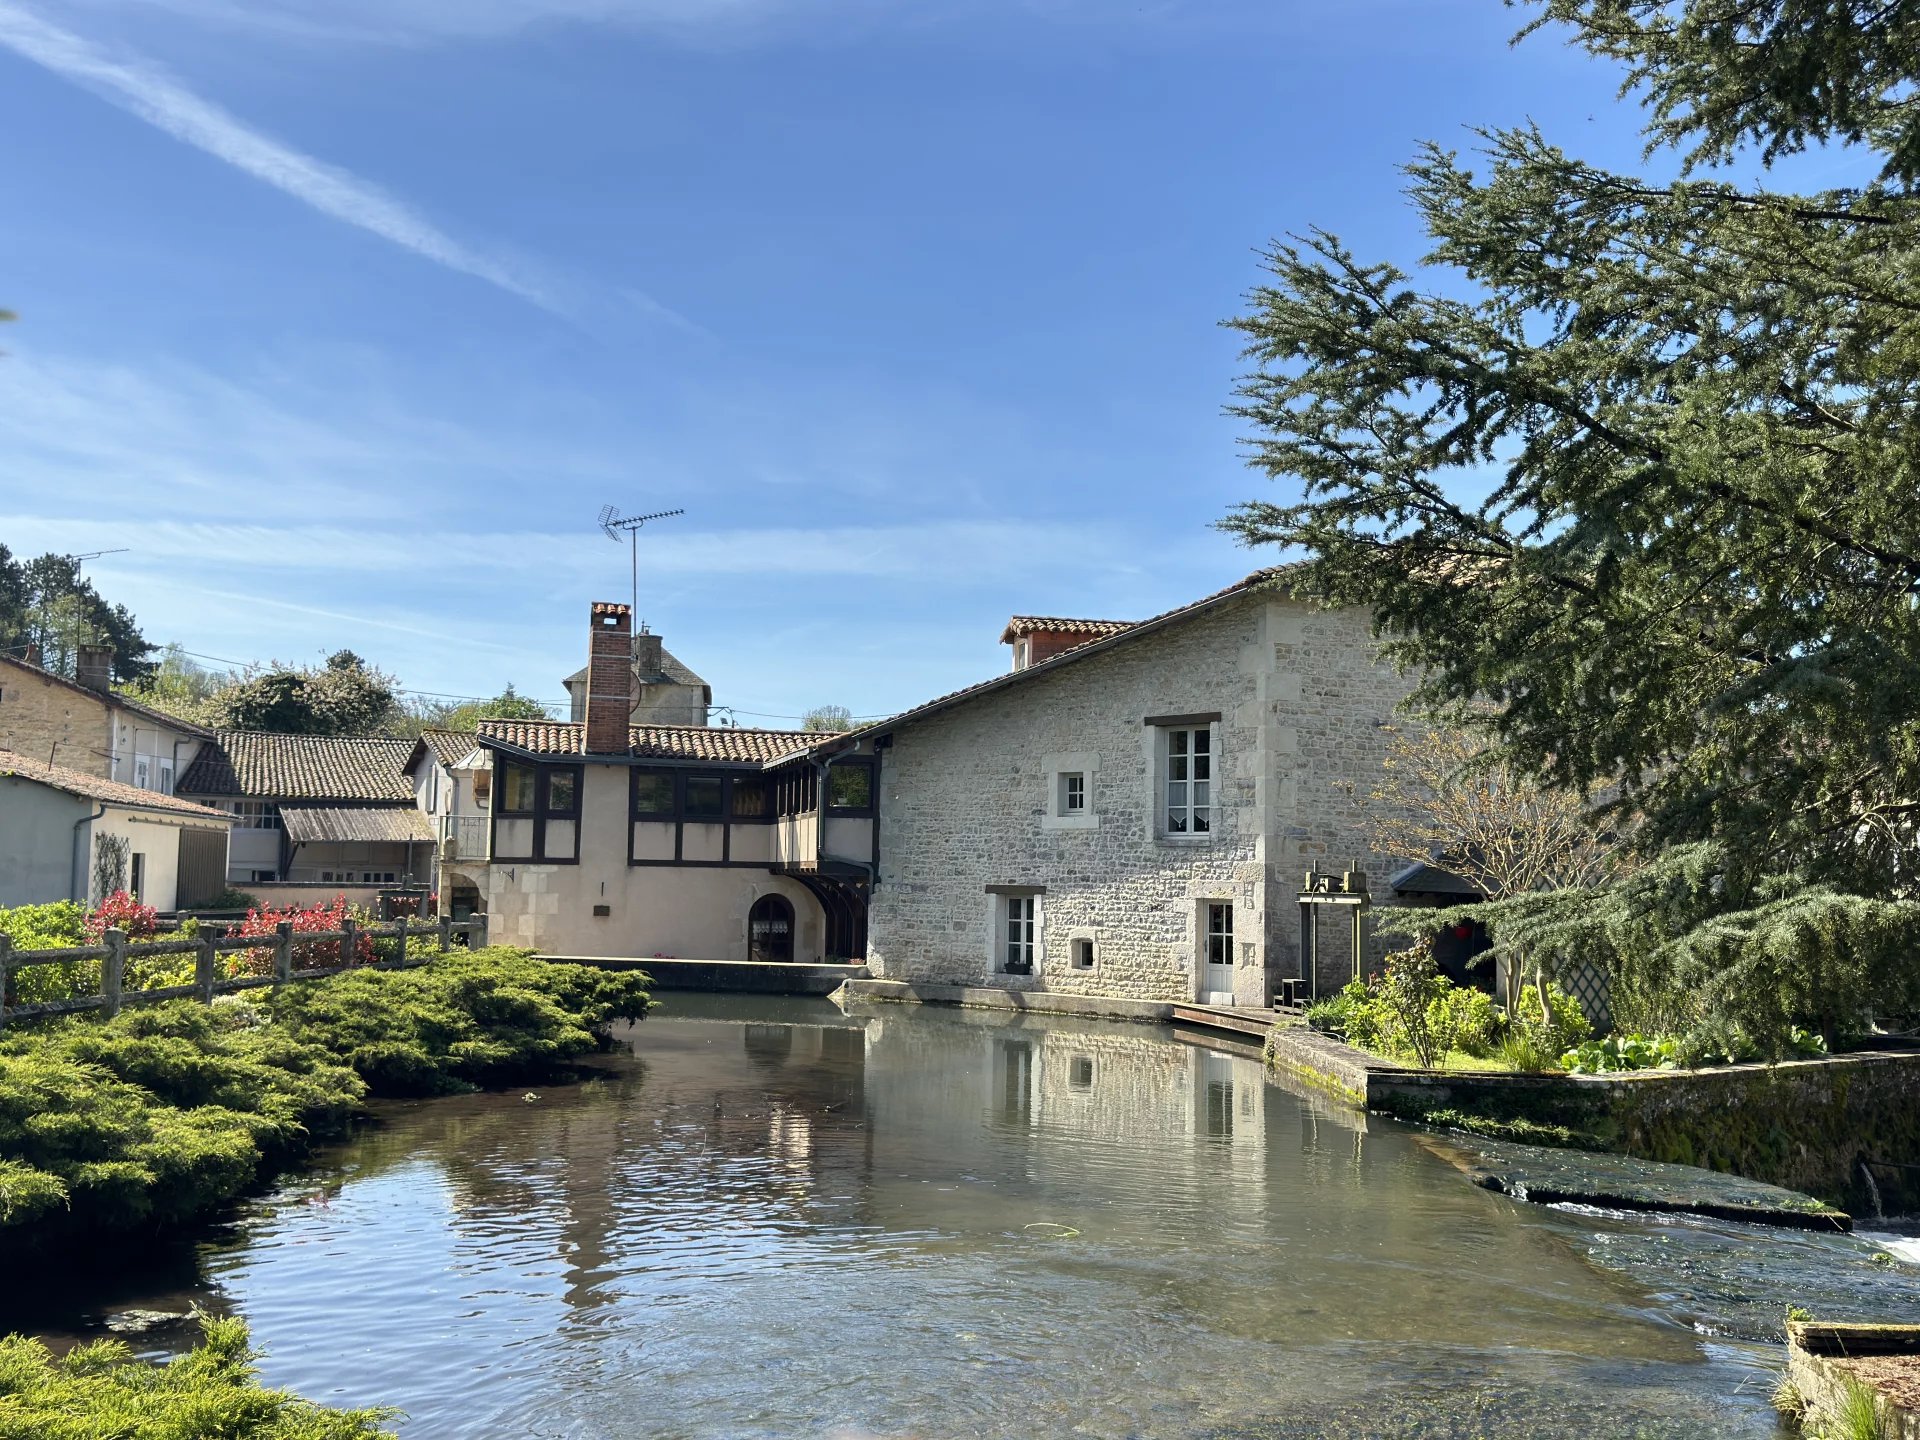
[[609, 678]]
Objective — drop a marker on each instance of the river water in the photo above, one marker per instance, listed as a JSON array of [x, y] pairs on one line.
[[772, 1219]]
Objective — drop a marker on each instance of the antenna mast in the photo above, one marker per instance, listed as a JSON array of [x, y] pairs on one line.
[[612, 523]]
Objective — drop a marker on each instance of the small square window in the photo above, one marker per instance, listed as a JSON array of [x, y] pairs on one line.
[[562, 792], [1073, 793], [850, 787], [1080, 1072], [1083, 954]]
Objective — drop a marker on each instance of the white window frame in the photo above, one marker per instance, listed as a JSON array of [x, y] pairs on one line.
[[1017, 930], [1214, 940], [166, 777], [1186, 756], [1073, 792], [142, 771], [1054, 814]]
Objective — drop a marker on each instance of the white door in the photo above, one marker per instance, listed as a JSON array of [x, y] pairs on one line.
[[1216, 953]]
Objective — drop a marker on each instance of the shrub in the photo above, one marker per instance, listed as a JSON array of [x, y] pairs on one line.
[[1407, 994], [1464, 1019], [483, 1017], [59, 926], [308, 955], [231, 899], [120, 911], [100, 1390], [165, 1112]]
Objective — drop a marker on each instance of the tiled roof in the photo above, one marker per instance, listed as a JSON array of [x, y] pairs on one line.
[[300, 767], [1259, 579], [1032, 624], [110, 697], [723, 744], [449, 747], [92, 787]]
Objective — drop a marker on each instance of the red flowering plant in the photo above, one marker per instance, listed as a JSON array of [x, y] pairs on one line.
[[265, 922], [120, 911]]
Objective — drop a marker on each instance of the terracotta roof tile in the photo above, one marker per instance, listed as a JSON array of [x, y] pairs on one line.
[[723, 744], [449, 747], [92, 787], [1050, 624], [301, 767]]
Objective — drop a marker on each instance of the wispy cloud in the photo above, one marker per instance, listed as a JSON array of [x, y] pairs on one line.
[[152, 95]]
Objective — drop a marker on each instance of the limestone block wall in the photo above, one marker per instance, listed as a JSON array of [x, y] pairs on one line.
[[54, 723], [965, 796], [1334, 702], [966, 804]]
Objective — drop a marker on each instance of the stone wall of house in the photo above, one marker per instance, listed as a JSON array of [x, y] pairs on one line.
[[1333, 704], [966, 804], [53, 722]]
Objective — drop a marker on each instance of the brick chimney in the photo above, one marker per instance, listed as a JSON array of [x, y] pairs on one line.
[[609, 678], [646, 654], [93, 667]]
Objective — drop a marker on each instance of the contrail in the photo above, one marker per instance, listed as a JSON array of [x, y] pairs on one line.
[[162, 102]]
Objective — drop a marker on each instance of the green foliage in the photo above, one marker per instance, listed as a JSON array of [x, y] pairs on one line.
[[1450, 1020], [100, 1392], [44, 927], [165, 1112], [1859, 1415], [1778, 74], [1622, 1052], [1463, 1019], [181, 686], [488, 1017], [509, 704], [1625, 474], [345, 696], [47, 603]]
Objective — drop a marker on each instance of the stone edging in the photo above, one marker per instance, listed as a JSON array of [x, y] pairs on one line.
[[981, 997]]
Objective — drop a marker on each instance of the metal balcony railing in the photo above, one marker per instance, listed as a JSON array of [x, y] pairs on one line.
[[463, 837]]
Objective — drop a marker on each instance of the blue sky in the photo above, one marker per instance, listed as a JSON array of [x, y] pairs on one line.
[[345, 317]]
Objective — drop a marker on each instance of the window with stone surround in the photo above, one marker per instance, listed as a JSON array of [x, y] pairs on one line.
[[1016, 928], [1073, 793], [1186, 756], [1068, 802]]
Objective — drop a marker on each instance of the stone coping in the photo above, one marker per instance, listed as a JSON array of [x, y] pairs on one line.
[[1824, 1361], [987, 997], [1546, 1176], [751, 977]]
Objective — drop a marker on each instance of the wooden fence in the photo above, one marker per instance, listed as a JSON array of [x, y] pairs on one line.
[[115, 950]]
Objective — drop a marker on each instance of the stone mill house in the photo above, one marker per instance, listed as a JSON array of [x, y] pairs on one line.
[[1131, 810]]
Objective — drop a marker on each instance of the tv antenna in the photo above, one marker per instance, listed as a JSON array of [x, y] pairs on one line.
[[613, 524], [79, 560]]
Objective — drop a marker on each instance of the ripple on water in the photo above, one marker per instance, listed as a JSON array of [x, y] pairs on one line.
[[777, 1221]]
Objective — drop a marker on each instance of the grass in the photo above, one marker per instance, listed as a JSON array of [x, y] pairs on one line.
[[1859, 1416], [100, 1392]]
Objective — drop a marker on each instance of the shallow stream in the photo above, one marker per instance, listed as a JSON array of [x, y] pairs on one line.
[[773, 1219]]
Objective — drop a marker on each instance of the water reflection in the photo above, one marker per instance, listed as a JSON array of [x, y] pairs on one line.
[[780, 1220]]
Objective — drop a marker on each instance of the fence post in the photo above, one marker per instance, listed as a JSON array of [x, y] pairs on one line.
[[348, 933], [283, 952], [205, 967], [477, 936], [446, 932], [113, 970], [6, 977], [400, 941]]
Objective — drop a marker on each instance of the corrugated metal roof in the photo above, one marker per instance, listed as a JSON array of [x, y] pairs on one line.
[[300, 767], [93, 787], [354, 824]]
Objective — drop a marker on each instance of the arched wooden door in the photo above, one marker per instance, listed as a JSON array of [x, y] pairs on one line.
[[770, 929]]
